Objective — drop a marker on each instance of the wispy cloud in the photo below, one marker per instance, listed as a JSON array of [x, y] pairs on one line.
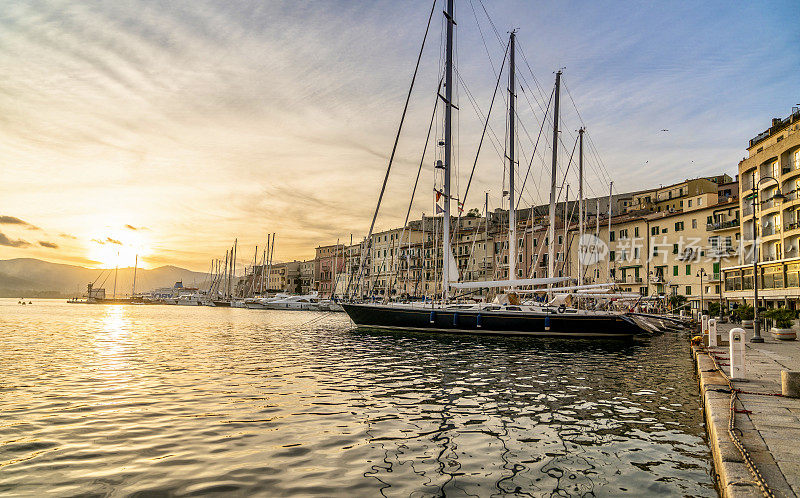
[[11, 220], [205, 121], [49, 245], [5, 241]]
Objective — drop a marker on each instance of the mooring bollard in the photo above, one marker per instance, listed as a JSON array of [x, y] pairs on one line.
[[712, 332], [790, 384], [704, 324], [737, 345]]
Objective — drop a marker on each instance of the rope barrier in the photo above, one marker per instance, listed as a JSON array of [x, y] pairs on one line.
[[762, 483]]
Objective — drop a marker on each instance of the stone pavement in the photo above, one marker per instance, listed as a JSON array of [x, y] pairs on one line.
[[769, 425]]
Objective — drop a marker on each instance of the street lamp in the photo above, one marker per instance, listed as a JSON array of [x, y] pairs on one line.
[[701, 274], [777, 197]]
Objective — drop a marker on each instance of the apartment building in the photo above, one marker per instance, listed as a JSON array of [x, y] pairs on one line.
[[771, 172], [328, 262], [307, 280], [663, 253], [285, 277]]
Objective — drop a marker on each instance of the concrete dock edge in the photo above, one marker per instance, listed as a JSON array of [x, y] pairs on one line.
[[734, 479]]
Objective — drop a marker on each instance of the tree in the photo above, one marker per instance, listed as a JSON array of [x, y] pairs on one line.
[[676, 301], [473, 213], [782, 317]]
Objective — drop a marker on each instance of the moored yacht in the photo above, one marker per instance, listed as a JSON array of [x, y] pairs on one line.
[[503, 317]]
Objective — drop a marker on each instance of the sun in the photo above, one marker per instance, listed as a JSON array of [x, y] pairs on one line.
[[114, 248]]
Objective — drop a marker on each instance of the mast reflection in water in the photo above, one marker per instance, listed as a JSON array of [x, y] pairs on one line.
[[196, 400]]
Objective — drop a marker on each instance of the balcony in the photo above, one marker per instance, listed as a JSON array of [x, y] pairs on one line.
[[770, 230], [722, 225]]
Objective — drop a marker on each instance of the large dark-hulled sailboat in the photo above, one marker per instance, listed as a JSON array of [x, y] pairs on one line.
[[505, 316]]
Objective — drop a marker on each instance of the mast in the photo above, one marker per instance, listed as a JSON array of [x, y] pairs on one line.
[[566, 227], [551, 231], [596, 238], [135, 266], [264, 264], [271, 254], [233, 267], [610, 198], [225, 295], [512, 216], [116, 269], [448, 131], [253, 272], [580, 203], [486, 248]]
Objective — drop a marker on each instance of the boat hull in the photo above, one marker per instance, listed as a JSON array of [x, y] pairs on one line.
[[492, 322]]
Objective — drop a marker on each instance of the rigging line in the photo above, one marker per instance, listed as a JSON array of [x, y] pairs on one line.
[[492, 134], [541, 128], [596, 153], [483, 134], [535, 79], [580, 117], [416, 181], [399, 129]]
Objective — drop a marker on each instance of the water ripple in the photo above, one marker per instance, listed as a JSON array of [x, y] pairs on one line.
[[151, 400]]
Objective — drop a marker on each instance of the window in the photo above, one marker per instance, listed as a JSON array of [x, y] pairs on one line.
[[655, 251], [611, 255], [611, 236], [654, 231], [560, 239], [688, 269], [699, 201], [689, 203], [679, 226], [694, 223], [675, 250], [674, 271], [688, 290], [535, 241], [710, 220], [635, 232]]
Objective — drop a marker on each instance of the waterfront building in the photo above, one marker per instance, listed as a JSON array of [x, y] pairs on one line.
[[671, 198], [285, 277], [662, 253], [329, 261], [772, 166], [389, 269], [307, 281]]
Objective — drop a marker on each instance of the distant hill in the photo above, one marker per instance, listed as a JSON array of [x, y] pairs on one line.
[[28, 277]]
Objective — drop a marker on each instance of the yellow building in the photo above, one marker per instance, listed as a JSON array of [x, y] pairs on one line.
[[664, 253], [772, 165]]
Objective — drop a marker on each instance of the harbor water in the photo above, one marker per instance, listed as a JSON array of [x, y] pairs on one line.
[[174, 400]]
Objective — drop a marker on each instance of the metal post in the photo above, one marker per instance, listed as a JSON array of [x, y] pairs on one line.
[[756, 326]]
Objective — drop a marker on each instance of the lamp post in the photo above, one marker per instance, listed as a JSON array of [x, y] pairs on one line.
[[777, 197], [701, 274]]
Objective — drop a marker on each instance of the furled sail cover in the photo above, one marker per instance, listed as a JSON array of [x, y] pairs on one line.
[[508, 283], [453, 269]]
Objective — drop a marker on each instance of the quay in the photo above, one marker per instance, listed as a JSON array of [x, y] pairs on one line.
[[766, 423]]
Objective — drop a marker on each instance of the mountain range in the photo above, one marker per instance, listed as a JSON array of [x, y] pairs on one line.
[[28, 277]]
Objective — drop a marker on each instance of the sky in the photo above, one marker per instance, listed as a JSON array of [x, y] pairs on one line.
[[169, 128]]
